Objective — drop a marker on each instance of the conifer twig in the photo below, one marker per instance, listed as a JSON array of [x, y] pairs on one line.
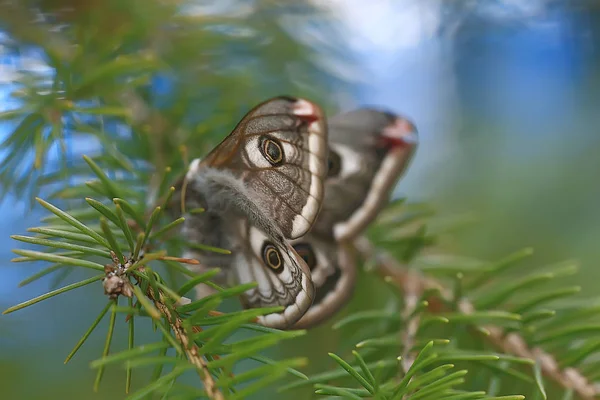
[[511, 343], [411, 295], [191, 351]]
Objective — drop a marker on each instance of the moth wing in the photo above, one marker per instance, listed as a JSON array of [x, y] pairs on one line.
[[282, 276], [369, 150], [279, 149], [333, 273]]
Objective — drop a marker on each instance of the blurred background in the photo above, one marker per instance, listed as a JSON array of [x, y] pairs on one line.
[[505, 94]]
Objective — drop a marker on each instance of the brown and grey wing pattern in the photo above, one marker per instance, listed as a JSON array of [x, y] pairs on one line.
[[280, 150], [266, 183], [368, 152], [261, 186], [282, 277], [333, 273]]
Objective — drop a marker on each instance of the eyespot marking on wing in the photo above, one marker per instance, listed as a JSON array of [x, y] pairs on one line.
[[272, 258], [271, 150], [306, 252], [282, 276], [334, 164], [350, 162]]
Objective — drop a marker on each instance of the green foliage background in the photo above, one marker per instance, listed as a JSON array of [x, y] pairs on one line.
[[103, 56]]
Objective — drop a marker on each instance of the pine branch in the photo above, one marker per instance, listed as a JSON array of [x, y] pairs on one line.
[[412, 294], [178, 319], [411, 282], [190, 348]]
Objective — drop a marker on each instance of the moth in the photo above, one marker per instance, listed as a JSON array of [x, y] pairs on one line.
[[262, 187], [369, 150], [285, 202]]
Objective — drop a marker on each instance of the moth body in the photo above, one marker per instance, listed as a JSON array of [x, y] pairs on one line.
[[261, 187], [285, 199]]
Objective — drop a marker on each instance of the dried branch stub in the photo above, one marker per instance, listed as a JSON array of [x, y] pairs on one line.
[[116, 282]]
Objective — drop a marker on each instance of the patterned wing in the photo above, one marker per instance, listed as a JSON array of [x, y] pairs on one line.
[[369, 151], [333, 273], [279, 150], [282, 276], [262, 185]]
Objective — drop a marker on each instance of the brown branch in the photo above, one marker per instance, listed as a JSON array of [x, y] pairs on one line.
[[411, 302], [191, 351], [511, 343], [115, 284]]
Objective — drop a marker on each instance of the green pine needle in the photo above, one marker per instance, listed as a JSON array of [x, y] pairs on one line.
[[494, 300], [110, 188], [166, 331], [158, 383], [109, 336], [151, 222], [125, 228], [63, 234], [365, 370], [130, 344], [354, 373], [104, 210], [229, 360], [155, 360], [212, 249], [544, 298], [145, 302], [268, 369], [131, 354], [139, 243], [62, 245], [336, 374], [337, 391], [231, 292], [166, 228], [38, 255], [193, 282], [52, 294], [539, 381], [111, 240], [481, 317], [73, 222], [370, 316], [499, 267], [89, 331], [227, 328], [130, 210], [40, 274], [159, 367], [289, 369]]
